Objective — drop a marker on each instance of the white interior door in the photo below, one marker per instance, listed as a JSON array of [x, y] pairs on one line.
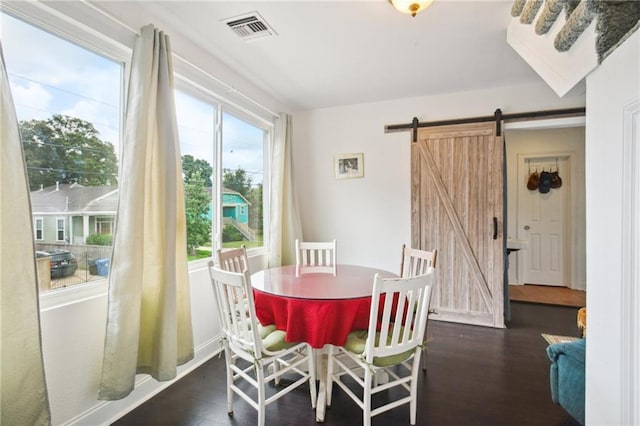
[[541, 222]]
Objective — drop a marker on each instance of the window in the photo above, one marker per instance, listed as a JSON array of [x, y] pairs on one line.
[[60, 228], [104, 225], [67, 101], [196, 128], [38, 227], [243, 146]]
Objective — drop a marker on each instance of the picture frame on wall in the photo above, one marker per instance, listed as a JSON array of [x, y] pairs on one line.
[[349, 166]]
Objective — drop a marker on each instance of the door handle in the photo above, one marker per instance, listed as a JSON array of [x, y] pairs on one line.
[[495, 228]]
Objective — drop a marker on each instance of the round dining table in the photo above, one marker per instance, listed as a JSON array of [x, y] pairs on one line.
[[315, 307], [319, 308]]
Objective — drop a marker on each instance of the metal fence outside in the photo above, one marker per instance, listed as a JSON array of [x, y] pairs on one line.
[[87, 271]]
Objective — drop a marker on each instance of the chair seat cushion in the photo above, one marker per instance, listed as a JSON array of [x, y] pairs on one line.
[[275, 341], [356, 341], [264, 330]]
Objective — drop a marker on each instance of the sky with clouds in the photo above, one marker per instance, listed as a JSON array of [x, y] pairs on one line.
[[49, 75]]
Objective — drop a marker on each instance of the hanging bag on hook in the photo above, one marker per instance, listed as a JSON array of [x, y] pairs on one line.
[[534, 181], [556, 181], [545, 182]]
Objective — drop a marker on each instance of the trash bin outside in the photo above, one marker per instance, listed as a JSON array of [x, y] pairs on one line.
[[93, 269], [102, 265]]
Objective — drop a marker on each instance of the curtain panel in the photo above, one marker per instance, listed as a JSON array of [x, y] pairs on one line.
[[149, 314], [284, 215], [24, 398]]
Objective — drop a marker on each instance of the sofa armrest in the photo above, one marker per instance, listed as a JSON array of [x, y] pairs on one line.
[[575, 350], [567, 376]]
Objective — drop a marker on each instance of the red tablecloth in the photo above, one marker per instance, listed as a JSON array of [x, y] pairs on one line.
[[318, 322]]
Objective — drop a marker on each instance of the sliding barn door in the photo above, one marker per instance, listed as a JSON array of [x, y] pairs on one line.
[[457, 208]]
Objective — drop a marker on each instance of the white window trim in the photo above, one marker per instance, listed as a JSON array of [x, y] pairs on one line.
[[37, 219], [64, 228], [103, 219], [117, 46]]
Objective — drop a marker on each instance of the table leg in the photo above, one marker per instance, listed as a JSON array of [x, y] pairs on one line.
[[321, 404]]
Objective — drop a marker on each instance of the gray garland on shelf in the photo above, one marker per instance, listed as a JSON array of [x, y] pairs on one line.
[[516, 9], [578, 21], [552, 9], [530, 11], [617, 20]]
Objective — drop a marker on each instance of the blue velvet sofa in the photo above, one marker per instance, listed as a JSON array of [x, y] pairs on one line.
[[567, 376]]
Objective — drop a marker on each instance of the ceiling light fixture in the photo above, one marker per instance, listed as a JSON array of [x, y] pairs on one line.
[[411, 7]]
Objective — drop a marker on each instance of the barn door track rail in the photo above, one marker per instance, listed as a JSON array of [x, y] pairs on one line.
[[497, 116]]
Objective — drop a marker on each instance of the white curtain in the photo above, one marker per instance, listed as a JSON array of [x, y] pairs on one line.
[[23, 389], [149, 315], [284, 216]]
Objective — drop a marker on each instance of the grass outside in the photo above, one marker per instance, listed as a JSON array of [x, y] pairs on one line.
[[204, 252]]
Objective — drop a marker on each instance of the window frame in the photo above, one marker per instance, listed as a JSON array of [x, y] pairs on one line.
[[63, 220], [118, 46], [104, 219], [202, 94], [36, 220]]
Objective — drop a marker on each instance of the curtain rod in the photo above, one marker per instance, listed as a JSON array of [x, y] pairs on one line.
[[229, 88], [498, 117]]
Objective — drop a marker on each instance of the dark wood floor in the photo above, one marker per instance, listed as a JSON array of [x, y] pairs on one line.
[[475, 376]]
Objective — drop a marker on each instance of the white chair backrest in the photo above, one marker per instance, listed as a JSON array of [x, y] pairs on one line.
[[402, 328], [236, 309], [316, 256], [234, 260], [416, 262]]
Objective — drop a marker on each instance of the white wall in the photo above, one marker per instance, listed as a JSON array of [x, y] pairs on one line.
[[613, 299], [371, 217], [542, 142], [73, 329]]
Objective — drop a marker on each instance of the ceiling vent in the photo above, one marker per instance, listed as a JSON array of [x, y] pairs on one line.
[[250, 26]]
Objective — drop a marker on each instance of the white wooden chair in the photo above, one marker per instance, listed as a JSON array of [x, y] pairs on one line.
[[314, 257], [417, 262], [249, 348], [234, 260], [394, 348]]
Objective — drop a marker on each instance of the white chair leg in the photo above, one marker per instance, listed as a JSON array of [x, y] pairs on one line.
[[312, 376], [261, 394], [366, 399], [229, 361], [414, 389], [329, 373], [276, 367]]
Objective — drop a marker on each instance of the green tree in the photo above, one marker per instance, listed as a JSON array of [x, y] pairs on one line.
[[197, 205], [256, 210], [238, 181], [67, 149], [192, 166]]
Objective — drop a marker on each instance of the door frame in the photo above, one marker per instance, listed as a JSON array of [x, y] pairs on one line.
[[570, 228]]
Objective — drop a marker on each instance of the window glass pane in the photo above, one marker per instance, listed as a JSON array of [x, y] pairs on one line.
[[242, 195], [60, 227], [196, 128], [67, 101], [38, 228]]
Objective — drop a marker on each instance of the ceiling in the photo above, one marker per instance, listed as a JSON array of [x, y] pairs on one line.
[[329, 53]]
